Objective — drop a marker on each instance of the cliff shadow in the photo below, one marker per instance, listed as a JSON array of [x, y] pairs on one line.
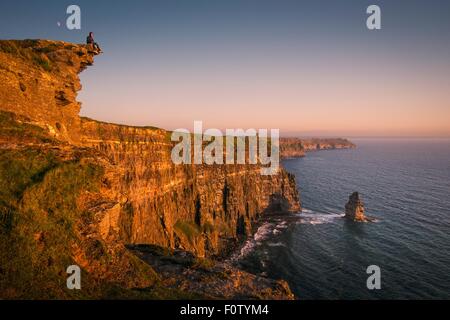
[[277, 204]]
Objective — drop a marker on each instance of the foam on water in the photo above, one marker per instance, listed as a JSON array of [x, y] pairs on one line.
[[261, 234], [275, 227], [310, 217]]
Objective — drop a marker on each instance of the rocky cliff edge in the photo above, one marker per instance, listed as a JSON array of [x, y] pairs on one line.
[[78, 191]]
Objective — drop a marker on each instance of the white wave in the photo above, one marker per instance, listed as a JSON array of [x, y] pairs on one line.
[[268, 229], [276, 244], [311, 217], [245, 250], [261, 234], [263, 231], [282, 225]]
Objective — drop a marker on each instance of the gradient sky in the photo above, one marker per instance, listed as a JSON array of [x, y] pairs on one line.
[[306, 67]]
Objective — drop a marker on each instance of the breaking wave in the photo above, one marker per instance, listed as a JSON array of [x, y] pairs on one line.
[[310, 217], [263, 232], [273, 228]]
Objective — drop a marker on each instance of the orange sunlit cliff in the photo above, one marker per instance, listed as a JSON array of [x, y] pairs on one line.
[[108, 198]]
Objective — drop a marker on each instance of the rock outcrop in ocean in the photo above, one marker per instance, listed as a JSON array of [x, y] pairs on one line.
[[354, 209]]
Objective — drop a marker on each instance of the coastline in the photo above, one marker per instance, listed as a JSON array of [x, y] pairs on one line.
[[124, 190]]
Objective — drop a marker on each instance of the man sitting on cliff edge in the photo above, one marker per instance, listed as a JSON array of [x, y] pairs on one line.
[[90, 41]]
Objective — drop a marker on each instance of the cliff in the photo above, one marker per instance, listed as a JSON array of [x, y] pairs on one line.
[[39, 80], [78, 191], [297, 147], [193, 207]]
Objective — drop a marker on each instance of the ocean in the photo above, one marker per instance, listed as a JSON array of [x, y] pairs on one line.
[[405, 185]]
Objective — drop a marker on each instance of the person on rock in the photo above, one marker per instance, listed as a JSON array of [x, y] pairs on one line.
[[90, 41]]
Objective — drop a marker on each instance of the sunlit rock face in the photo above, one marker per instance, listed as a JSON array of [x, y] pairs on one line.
[[354, 209], [198, 208], [81, 192], [39, 80]]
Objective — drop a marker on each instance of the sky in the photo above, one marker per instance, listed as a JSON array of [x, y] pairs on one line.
[[309, 68]]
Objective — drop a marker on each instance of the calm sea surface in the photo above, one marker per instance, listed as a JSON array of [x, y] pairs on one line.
[[405, 184]]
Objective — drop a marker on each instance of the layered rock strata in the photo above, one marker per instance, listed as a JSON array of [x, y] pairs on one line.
[[134, 193]]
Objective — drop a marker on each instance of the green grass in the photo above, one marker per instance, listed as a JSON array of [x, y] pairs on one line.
[[39, 203], [43, 62], [203, 263], [39, 218], [208, 227], [189, 229], [49, 48], [30, 51], [119, 125], [13, 129], [9, 47]]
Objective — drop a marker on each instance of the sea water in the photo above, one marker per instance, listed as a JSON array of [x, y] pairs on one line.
[[404, 183]]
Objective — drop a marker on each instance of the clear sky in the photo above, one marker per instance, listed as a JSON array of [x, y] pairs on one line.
[[306, 67]]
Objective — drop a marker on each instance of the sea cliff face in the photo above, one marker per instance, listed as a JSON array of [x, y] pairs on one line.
[[199, 208], [39, 80], [83, 189]]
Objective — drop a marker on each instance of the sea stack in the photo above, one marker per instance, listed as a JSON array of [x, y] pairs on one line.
[[354, 209]]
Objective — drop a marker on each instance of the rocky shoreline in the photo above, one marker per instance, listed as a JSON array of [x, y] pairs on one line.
[[210, 279]]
